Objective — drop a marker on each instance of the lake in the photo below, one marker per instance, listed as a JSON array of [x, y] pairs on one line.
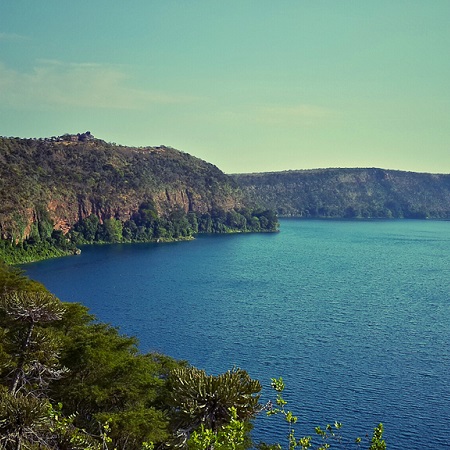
[[354, 315]]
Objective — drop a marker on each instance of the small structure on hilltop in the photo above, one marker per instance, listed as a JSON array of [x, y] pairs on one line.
[[79, 137]]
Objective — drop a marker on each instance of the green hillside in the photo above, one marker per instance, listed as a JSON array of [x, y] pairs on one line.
[[63, 191], [350, 193]]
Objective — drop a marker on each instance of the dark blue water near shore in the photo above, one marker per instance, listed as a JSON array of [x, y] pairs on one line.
[[355, 316]]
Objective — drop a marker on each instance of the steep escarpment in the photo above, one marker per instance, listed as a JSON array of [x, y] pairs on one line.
[[351, 193], [80, 189]]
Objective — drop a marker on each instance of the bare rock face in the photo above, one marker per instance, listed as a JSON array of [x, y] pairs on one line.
[[57, 212], [63, 180]]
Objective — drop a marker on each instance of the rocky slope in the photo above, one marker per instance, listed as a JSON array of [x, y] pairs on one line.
[[63, 180], [352, 193]]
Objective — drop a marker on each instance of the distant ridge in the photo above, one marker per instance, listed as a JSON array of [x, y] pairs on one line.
[[350, 193]]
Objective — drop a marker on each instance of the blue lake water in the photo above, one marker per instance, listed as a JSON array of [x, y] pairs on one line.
[[355, 316]]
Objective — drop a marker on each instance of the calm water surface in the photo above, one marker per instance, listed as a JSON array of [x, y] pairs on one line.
[[355, 316]]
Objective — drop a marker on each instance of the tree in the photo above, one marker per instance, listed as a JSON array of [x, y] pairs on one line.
[[88, 227], [36, 351], [231, 436], [378, 442], [178, 223], [146, 214], [236, 221], [22, 418], [30, 362], [31, 422], [112, 230], [198, 399], [193, 221]]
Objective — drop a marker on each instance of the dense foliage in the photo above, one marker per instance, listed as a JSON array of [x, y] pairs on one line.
[[350, 193], [60, 192], [145, 225]]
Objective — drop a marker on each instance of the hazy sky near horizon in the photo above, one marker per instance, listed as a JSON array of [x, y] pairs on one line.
[[248, 85]]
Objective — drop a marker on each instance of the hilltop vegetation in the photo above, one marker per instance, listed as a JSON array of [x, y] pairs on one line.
[[59, 192], [350, 193]]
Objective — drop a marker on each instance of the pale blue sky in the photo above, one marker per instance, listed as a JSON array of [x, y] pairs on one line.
[[249, 85]]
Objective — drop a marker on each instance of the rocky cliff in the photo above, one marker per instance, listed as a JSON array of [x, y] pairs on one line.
[[63, 180]]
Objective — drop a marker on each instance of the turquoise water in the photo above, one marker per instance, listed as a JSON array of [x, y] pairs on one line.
[[355, 316]]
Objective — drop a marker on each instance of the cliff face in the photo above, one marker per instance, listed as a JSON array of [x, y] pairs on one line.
[[350, 193], [62, 181]]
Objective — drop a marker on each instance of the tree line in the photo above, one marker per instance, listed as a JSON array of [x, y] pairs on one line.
[[145, 225]]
